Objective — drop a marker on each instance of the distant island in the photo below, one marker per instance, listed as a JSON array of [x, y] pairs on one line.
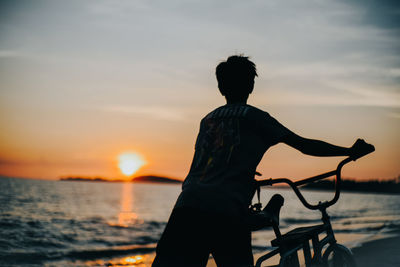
[[349, 185], [371, 186], [138, 179], [155, 179]]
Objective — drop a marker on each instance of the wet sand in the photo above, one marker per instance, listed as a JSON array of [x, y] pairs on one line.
[[383, 253]]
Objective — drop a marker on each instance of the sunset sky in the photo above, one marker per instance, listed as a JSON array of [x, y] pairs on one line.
[[82, 82]]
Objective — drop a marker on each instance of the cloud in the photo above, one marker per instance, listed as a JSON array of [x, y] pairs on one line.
[[8, 162], [394, 115], [375, 97], [339, 83], [8, 53], [394, 73], [358, 97], [81, 162], [155, 112], [379, 13]]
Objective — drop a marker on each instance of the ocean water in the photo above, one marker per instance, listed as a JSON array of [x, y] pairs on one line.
[[62, 223]]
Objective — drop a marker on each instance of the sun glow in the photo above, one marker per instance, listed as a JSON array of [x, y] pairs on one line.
[[130, 162]]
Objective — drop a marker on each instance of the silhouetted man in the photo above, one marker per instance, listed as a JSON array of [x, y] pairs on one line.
[[209, 215]]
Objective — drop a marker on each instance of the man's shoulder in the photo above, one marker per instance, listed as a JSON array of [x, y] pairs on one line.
[[242, 110], [259, 111]]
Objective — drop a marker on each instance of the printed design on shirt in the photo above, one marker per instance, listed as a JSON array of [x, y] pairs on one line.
[[218, 139], [229, 112]]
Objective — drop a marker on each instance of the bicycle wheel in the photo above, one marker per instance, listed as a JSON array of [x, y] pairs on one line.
[[338, 256]]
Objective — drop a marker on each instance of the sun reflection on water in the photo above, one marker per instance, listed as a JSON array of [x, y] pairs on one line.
[[134, 259], [126, 216], [130, 261]]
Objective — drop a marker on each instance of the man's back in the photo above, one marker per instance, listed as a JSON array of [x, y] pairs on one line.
[[231, 142]]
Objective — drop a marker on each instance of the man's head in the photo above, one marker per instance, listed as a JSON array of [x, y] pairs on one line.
[[235, 78]]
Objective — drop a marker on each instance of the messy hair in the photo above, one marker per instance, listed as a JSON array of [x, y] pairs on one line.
[[235, 76]]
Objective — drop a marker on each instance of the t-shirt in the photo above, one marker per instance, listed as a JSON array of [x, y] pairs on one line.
[[231, 142]]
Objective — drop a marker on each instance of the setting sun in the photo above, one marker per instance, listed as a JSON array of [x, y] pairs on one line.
[[130, 162]]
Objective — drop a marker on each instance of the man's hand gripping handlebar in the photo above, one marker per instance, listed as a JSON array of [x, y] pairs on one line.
[[360, 148]]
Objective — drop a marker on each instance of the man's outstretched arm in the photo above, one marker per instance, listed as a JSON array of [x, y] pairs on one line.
[[315, 147]]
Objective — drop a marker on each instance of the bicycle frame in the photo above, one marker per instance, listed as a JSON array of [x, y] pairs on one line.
[[287, 249]]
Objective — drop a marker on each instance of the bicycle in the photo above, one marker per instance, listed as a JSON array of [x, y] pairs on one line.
[[288, 245]]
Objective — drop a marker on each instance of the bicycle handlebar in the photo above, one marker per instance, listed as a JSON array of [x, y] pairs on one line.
[[321, 205]]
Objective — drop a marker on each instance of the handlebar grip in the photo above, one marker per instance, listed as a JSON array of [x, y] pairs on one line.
[[362, 148]]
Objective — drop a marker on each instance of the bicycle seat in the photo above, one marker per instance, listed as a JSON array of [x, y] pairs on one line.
[[298, 235], [267, 216]]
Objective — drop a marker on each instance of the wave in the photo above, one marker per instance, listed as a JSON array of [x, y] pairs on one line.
[[361, 229], [290, 221], [20, 257], [30, 241], [110, 252]]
